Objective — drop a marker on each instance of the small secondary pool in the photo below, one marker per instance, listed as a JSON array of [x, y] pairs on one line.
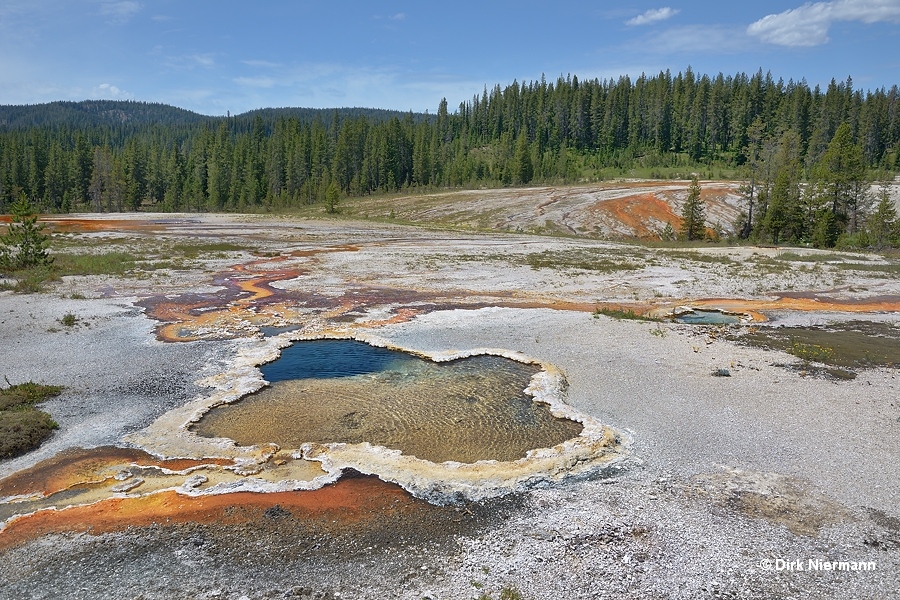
[[706, 317]]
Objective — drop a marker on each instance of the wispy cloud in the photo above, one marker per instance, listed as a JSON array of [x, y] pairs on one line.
[[185, 62], [692, 40], [200, 60], [261, 63], [808, 25], [121, 11], [654, 15], [256, 82], [395, 17]]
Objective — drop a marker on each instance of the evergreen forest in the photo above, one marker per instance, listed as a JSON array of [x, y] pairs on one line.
[[809, 156]]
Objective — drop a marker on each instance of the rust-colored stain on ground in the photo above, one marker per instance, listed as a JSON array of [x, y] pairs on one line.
[[639, 213], [65, 225], [810, 301], [349, 501]]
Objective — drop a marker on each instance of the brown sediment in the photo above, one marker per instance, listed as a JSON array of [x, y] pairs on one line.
[[223, 314], [327, 249], [78, 466], [250, 299], [350, 501], [190, 318], [183, 316]]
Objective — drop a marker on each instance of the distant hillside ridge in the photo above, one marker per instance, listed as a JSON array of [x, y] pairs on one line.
[[326, 114], [94, 113]]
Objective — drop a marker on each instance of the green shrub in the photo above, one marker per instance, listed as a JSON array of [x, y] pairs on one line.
[[811, 352], [23, 427], [23, 430]]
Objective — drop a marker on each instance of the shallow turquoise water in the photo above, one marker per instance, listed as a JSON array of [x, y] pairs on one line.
[[707, 317]]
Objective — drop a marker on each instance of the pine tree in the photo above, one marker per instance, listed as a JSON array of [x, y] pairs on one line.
[[780, 213], [331, 198], [782, 218], [668, 233], [842, 170], [523, 169], [24, 245], [751, 153], [693, 223], [883, 222]]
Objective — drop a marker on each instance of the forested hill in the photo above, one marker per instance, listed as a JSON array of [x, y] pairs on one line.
[[109, 156], [99, 113], [94, 113]]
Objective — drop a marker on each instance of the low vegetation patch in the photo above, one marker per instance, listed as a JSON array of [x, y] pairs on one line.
[[817, 257], [128, 262], [620, 313], [507, 593], [22, 426], [583, 259], [850, 345], [880, 269], [200, 249], [700, 257], [106, 263]]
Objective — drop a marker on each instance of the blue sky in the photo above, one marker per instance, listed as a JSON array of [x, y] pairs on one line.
[[217, 56]]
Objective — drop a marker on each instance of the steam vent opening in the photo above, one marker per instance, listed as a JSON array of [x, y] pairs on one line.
[[334, 391]]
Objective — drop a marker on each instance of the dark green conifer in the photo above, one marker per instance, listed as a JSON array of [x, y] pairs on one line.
[[693, 214]]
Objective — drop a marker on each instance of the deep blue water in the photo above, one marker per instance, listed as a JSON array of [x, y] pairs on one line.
[[325, 359]]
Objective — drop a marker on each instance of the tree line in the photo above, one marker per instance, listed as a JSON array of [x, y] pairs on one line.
[[808, 154]]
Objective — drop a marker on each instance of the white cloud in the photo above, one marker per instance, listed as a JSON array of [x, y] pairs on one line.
[[111, 92], [398, 17], [808, 25], [654, 15], [120, 12]]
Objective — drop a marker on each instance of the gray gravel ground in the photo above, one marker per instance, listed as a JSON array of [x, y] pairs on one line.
[[731, 479], [117, 377]]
